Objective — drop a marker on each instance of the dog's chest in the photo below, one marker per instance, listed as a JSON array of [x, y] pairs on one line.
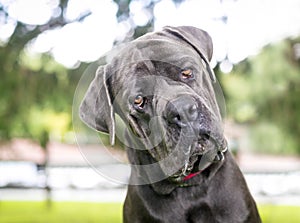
[[183, 205]]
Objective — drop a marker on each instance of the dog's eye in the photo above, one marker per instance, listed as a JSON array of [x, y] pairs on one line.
[[139, 101], [187, 74]]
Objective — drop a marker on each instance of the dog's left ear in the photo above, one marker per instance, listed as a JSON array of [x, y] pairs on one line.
[[96, 109], [199, 40]]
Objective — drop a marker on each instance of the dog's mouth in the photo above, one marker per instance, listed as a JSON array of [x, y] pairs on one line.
[[203, 152]]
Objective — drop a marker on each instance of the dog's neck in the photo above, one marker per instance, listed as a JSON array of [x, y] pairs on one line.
[[165, 186]]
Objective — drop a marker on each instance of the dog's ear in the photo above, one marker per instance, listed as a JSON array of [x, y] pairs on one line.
[[96, 109], [199, 40]]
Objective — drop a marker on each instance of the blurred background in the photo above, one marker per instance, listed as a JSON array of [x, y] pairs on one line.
[[46, 46]]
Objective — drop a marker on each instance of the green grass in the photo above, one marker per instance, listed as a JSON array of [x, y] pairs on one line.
[[279, 214], [60, 212], [80, 212]]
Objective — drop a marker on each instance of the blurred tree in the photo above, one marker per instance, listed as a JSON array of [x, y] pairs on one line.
[[263, 91], [22, 87]]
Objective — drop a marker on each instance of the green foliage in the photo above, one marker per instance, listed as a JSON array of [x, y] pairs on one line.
[[36, 96], [269, 138], [32, 84], [263, 91]]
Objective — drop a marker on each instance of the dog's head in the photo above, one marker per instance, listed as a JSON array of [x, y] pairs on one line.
[[162, 86]]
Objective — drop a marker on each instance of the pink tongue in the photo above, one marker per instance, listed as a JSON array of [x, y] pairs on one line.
[[191, 175]]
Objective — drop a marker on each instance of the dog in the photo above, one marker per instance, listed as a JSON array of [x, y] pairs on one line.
[[162, 86]]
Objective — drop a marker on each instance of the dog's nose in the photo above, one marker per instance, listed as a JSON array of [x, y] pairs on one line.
[[182, 111]]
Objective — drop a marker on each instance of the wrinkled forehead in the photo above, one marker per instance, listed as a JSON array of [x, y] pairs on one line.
[[155, 50], [155, 65], [153, 85]]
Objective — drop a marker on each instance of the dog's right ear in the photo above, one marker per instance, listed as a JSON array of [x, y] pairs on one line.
[[96, 109], [199, 40]]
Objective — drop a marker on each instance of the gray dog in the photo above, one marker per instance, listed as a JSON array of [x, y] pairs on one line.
[[162, 87]]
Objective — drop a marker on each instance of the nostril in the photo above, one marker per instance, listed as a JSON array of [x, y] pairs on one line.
[[177, 120], [205, 136], [174, 118], [182, 111]]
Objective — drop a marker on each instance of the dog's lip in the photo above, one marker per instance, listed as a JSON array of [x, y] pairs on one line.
[[198, 149], [187, 169], [190, 166]]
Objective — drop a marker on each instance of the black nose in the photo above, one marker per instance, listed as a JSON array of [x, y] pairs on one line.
[[182, 110]]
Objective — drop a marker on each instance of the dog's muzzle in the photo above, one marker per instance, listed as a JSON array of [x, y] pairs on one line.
[[182, 111], [205, 141]]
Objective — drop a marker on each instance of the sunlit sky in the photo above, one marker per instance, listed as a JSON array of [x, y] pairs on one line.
[[250, 25]]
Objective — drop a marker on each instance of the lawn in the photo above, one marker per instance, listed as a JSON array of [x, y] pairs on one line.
[[279, 214], [79, 212], [60, 212]]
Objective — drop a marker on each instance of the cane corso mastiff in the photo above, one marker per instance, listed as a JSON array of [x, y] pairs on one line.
[[162, 87]]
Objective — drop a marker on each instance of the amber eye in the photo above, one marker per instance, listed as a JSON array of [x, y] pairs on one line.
[[187, 74], [139, 101]]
